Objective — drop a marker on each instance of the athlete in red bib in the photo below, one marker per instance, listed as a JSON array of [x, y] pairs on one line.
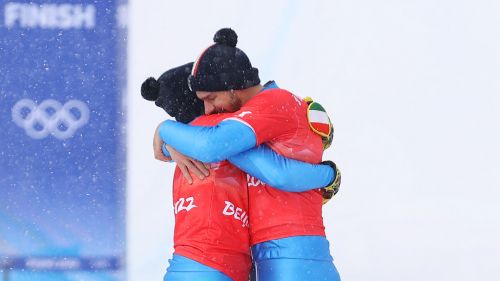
[[278, 119], [212, 220], [211, 217]]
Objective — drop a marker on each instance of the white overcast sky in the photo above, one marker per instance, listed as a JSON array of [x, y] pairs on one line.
[[414, 91]]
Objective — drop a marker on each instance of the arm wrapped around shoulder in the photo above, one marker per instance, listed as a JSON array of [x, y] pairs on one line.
[[331, 189]]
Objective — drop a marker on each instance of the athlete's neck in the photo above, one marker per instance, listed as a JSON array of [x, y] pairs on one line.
[[248, 93]]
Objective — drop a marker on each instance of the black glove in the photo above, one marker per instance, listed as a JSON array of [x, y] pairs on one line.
[[331, 189]]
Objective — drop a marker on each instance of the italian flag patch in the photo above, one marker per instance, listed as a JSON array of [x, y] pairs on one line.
[[318, 119]]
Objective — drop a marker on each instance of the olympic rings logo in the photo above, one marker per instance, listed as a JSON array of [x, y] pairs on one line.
[[50, 117]]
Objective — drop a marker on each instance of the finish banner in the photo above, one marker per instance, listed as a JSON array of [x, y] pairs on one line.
[[62, 144]]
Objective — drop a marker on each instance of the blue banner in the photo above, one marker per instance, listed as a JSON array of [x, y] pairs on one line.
[[62, 144]]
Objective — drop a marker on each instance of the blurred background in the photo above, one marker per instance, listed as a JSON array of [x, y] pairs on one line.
[[413, 88]]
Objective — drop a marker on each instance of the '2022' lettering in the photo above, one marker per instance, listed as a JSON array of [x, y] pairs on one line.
[[253, 181], [184, 204]]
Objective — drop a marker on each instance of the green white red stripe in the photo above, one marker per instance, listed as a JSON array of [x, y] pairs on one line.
[[318, 119], [194, 70]]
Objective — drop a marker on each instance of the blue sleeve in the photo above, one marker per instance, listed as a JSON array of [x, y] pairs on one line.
[[282, 173], [165, 151], [208, 144]]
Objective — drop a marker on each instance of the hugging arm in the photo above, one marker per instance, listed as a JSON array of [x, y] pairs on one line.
[[233, 140], [208, 144], [283, 173]]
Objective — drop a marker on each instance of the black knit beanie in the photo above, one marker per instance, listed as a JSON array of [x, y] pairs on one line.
[[171, 92], [223, 67]]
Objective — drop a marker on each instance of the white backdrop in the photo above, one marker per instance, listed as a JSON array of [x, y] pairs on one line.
[[413, 88]]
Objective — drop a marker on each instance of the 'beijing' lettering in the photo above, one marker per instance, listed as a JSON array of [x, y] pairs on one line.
[[236, 212], [49, 16]]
